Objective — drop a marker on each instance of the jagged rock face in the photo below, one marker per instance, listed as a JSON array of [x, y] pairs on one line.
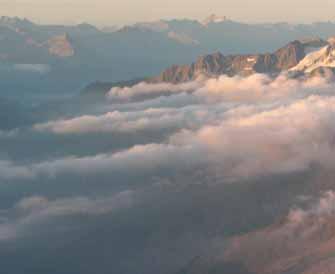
[[290, 55], [211, 64], [244, 65], [61, 46]]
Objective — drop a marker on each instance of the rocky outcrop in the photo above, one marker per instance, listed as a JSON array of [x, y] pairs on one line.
[[244, 65], [61, 46]]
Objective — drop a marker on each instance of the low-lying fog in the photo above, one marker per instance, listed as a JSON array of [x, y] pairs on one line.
[[159, 174]]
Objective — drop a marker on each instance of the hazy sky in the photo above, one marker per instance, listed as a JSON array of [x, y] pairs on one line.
[[109, 12]]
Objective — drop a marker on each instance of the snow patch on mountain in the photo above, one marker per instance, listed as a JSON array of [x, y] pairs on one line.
[[317, 58]]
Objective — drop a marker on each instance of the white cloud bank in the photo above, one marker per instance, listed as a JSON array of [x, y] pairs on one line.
[[304, 235], [235, 139], [257, 87], [144, 90], [323, 209], [130, 122], [245, 141], [238, 128], [213, 96], [37, 210]]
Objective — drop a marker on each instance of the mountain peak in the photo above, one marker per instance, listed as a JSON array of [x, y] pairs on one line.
[[87, 27], [319, 59], [61, 46], [213, 18], [156, 26], [14, 21]]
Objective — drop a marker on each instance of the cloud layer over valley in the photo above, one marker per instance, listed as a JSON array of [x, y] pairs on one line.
[[156, 173]]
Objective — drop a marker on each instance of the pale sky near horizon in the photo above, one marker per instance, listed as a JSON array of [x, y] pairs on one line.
[[120, 12]]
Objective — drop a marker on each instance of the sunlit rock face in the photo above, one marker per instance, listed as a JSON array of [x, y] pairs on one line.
[[310, 57], [217, 64]]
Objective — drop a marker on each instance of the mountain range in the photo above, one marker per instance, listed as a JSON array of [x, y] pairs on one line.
[[42, 56], [298, 59]]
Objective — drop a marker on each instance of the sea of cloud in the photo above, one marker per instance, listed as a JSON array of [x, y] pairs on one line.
[[148, 155]]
